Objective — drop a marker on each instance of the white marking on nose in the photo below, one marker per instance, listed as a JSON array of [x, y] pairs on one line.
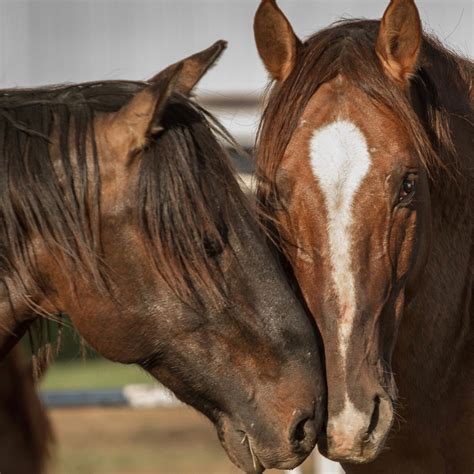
[[340, 160], [345, 428]]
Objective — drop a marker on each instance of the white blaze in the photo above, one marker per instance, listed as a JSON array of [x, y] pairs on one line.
[[340, 160]]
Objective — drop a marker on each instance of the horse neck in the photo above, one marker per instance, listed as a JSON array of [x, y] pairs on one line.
[[435, 334]]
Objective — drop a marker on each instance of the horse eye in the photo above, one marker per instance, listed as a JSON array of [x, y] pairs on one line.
[[408, 188], [212, 247]]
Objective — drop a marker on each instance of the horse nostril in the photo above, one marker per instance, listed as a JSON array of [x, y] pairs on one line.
[[374, 419], [300, 432], [303, 432]]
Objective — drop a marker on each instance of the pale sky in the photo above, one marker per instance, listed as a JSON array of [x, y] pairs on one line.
[[56, 41], [51, 41]]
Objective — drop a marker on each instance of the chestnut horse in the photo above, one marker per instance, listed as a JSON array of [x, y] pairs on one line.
[[25, 432], [119, 207], [365, 162]]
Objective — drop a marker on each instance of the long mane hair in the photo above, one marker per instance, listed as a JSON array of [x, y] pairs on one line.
[[443, 82], [50, 188]]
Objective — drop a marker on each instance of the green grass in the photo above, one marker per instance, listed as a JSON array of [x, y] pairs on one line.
[[92, 374]]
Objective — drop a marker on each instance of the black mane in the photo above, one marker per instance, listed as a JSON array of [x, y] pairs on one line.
[[50, 186]]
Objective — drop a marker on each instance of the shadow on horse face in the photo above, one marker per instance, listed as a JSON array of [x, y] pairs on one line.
[[170, 270], [349, 167]]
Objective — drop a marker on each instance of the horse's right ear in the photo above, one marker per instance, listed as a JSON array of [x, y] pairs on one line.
[[139, 119], [195, 67], [276, 41]]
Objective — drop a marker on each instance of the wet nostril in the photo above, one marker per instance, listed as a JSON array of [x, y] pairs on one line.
[[300, 432], [303, 432], [374, 419]]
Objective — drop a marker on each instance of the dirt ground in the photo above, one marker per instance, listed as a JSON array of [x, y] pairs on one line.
[[147, 441]]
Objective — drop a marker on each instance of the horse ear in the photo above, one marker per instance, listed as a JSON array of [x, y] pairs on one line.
[[139, 119], [195, 67], [276, 41], [398, 43]]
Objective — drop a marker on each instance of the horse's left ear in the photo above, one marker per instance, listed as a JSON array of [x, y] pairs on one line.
[[399, 40], [195, 67], [140, 119]]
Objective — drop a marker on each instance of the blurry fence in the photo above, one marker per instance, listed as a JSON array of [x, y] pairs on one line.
[[146, 396]]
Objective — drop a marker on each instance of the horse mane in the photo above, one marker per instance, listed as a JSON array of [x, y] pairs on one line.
[[50, 187], [190, 202], [348, 48]]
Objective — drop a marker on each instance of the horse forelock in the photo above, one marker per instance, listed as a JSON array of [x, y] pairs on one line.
[[190, 202]]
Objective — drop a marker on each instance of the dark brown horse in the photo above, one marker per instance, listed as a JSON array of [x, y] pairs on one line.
[[119, 207], [366, 172], [25, 433]]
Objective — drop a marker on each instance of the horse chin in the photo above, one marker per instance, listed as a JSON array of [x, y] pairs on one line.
[[238, 447]]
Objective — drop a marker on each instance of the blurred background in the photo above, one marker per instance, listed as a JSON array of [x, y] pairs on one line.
[[57, 41]]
